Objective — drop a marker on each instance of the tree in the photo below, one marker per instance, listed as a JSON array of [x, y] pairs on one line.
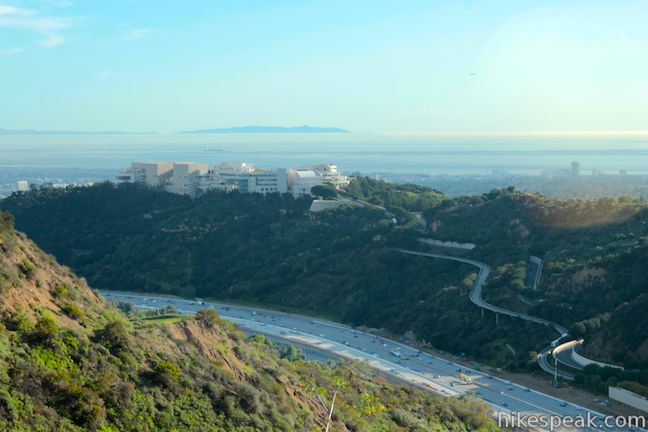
[[126, 307], [292, 353], [114, 336], [325, 191]]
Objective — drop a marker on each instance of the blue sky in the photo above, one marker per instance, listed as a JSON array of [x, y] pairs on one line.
[[378, 66]]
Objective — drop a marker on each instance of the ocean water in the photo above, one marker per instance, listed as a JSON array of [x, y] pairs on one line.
[[405, 153]]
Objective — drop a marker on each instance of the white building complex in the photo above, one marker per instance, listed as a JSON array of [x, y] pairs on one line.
[[301, 180], [189, 178], [330, 174], [149, 173]]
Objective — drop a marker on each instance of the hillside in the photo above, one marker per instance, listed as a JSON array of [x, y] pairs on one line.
[[593, 253], [343, 264], [71, 362], [272, 250]]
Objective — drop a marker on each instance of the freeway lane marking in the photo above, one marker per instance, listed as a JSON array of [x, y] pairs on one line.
[[526, 402], [376, 363], [356, 354]]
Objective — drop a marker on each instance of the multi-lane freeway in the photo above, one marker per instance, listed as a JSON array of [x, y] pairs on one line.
[[392, 358]]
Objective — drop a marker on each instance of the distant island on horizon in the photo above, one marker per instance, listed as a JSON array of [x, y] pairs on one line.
[[267, 129], [64, 132]]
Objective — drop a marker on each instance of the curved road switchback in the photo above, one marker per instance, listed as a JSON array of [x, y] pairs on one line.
[[476, 291], [564, 353], [565, 357], [477, 299]]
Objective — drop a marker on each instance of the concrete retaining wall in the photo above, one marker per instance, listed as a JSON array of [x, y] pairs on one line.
[[585, 361], [629, 398], [448, 244]]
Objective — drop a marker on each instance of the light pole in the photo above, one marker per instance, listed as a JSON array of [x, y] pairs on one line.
[[328, 422], [555, 369]]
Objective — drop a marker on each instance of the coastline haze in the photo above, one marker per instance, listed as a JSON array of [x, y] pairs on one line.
[[398, 153]]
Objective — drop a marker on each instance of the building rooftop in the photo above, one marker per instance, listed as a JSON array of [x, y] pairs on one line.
[[306, 173]]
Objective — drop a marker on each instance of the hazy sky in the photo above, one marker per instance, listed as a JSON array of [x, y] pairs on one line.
[[453, 65]]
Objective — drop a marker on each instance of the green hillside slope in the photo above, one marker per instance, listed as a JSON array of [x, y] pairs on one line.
[[343, 263], [70, 362]]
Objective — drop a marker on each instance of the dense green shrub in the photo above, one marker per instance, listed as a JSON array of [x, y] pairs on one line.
[[114, 336], [46, 327]]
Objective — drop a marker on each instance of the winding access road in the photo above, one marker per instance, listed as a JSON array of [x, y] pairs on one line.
[[563, 356], [477, 299]]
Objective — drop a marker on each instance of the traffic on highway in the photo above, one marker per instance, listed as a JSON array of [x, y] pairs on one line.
[[399, 361]]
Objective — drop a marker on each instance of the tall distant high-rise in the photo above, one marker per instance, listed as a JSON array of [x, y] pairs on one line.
[[22, 186], [575, 169]]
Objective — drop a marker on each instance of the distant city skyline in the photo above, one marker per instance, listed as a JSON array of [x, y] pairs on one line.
[[465, 67]]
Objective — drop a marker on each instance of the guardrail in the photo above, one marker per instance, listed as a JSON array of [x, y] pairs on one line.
[[476, 298]]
